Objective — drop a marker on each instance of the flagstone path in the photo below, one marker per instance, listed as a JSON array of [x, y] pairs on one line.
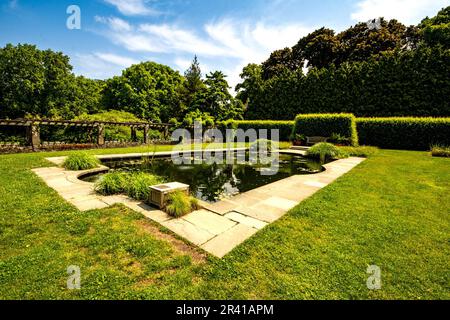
[[217, 228]]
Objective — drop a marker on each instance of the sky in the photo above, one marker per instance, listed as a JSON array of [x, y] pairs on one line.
[[226, 35]]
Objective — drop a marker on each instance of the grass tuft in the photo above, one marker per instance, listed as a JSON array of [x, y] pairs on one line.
[[325, 151], [80, 161], [134, 184], [180, 204], [440, 151]]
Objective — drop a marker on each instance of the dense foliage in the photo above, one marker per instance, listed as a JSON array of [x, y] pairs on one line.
[[326, 125], [148, 90], [404, 133], [36, 83], [41, 83], [388, 70], [284, 127]]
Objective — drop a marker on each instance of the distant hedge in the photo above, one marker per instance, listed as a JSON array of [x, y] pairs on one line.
[[404, 133], [326, 125], [413, 83], [285, 127]]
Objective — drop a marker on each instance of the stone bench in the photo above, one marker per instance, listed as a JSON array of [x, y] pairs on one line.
[[314, 140]]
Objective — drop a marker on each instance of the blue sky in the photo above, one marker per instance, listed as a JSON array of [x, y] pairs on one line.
[[225, 34]]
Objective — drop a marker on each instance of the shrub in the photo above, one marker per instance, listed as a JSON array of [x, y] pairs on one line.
[[180, 204], [80, 161], [404, 133], [115, 133], [326, 125], [440, 151], [325, 151], [284, 127], [363, 151]]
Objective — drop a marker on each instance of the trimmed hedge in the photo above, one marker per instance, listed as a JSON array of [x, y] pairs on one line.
[[285, 127], [404, 133], [325, 125]]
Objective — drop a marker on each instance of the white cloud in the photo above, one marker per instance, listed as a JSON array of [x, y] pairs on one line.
[[132, 7], [114, 23], [101, 65], [116, 60], [226, 45], [406, 11]]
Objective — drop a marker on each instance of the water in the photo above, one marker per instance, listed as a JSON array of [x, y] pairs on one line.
[[213, 182]]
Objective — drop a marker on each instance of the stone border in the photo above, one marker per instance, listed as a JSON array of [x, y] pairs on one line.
[[217, 228]]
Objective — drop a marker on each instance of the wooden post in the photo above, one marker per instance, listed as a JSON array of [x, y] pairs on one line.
[[101, 135], [33, 136], [146, 128], [166, 132], [133, 134]]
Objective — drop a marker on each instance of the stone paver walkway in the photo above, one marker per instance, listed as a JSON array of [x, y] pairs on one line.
[[218, 228]]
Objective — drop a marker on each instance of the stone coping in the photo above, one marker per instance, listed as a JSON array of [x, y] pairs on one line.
[[217, 228]]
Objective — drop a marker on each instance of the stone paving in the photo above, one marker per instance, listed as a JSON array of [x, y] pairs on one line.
[[217, 228]]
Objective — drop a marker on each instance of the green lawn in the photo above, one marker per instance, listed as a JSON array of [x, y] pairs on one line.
[[391, 211]]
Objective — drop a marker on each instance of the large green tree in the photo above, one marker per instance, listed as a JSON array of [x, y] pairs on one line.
[[217, 100], [40, 83], [436, 30], [318, 49], [193, 87], [148, 90]]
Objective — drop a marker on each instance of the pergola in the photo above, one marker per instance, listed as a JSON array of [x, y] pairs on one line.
[[33, 132]]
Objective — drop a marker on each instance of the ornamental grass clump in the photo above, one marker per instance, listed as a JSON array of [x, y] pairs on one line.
[[138, 185], [440, 151], [180, 204], [134, 184], [325, 151], [80, 161], [112, 183]]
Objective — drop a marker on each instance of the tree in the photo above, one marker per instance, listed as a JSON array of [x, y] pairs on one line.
[[148, 90], [251, 85], [217, 100], [318, 49], [34, 82], [436, 30], [193, 85], [279, 62], [361, 42]]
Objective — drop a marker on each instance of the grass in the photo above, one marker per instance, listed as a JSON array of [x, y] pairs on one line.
[[440, 151], [180, 204], [80, 161], [134, 184], [391, 211], [324, 151], [362, 151]]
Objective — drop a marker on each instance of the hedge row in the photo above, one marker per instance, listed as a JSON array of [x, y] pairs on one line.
[[404, 133], [326, 125], [285, 127]]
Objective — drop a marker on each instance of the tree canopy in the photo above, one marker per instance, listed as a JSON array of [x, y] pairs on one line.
[[381, 68]]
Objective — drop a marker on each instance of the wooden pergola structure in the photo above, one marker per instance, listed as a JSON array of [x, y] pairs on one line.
[[33, 132]]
